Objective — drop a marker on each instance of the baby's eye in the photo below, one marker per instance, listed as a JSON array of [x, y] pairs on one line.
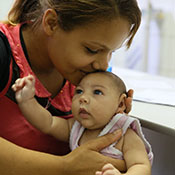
[[78, 91], [91, 50], [98, 92]]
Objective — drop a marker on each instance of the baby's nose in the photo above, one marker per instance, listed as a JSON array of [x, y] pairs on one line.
[[84, 99]]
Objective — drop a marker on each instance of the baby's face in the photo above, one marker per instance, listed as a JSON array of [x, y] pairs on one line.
[[95, 101]]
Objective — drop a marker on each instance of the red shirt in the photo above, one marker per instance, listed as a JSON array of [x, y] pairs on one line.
[[13, 126]]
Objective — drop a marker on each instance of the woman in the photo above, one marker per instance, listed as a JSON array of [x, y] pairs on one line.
[[58, 42]]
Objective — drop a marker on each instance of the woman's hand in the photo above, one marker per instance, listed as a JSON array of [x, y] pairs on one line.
[[128, 101], [87, 160]]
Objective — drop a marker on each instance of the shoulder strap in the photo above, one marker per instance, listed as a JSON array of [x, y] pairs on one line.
[[13, 70]]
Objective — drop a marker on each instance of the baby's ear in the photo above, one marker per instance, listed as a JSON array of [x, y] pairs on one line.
[[122, 106]]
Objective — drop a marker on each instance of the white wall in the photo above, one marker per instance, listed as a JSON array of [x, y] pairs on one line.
[[153, 48], [5, 5]]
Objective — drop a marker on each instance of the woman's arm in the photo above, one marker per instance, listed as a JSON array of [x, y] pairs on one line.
[[15, 160]]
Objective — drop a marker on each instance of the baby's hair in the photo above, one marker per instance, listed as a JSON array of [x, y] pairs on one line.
[[74, 13], [118, 82]]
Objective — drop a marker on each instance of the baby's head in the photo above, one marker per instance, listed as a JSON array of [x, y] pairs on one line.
[[98, 97]]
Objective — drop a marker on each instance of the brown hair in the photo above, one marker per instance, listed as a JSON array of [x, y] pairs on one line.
[[73, 13]]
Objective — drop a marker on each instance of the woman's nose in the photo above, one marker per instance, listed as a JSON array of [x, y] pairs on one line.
[[101, 63]]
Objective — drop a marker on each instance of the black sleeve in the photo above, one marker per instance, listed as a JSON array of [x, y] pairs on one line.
[[5, 57]]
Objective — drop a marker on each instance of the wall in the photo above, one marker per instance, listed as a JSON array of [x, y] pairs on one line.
[[4, 8], [164, 152], [152, 49]]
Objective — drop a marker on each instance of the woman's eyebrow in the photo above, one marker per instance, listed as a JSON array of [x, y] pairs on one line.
[[101, 45]]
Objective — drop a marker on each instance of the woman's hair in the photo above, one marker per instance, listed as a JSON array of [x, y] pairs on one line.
[[74, 13]]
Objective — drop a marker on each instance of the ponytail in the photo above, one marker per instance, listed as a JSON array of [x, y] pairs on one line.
[[24, 10]]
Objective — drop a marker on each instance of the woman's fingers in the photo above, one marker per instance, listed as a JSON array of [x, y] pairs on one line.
[[87, 158], [128, 101], [103, 141], [130, 93]]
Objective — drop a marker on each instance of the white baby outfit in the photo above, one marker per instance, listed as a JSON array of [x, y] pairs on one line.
[[118, 121]]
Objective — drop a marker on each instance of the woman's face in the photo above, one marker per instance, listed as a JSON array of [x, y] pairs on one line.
[[87, 48]]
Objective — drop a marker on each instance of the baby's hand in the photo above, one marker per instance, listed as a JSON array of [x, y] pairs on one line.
[[24, 88], [108, 169]]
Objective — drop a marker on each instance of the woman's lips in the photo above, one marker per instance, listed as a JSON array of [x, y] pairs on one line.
[[87, 72]]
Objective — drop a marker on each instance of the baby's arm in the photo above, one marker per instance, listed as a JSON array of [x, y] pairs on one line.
[[135, 156], [38, 116]]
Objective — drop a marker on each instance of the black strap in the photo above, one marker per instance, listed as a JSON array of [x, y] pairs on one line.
[[6, 56], [4, 61]]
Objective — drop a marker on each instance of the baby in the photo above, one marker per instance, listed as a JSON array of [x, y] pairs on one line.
[[98, 107]]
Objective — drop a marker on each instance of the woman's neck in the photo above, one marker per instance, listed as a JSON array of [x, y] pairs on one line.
[[36, 46]]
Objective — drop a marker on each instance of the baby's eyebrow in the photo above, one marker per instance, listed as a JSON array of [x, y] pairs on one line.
[[99, 86]]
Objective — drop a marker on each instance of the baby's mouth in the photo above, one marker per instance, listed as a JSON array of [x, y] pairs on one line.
[[83, 113]]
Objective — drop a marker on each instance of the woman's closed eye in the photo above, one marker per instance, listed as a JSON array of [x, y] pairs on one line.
[[91, 51], [98, 92]]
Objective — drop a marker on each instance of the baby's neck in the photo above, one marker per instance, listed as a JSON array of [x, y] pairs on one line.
[[89, 135]]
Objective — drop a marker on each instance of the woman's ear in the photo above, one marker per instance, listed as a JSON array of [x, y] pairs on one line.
[[50, 21], [122, 106]]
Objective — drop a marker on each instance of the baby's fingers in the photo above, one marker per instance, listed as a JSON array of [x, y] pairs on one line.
[[19, 84], [30, 81], [31, 78], [98, 173], [108, 166], [14, 87], [108, 169]]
